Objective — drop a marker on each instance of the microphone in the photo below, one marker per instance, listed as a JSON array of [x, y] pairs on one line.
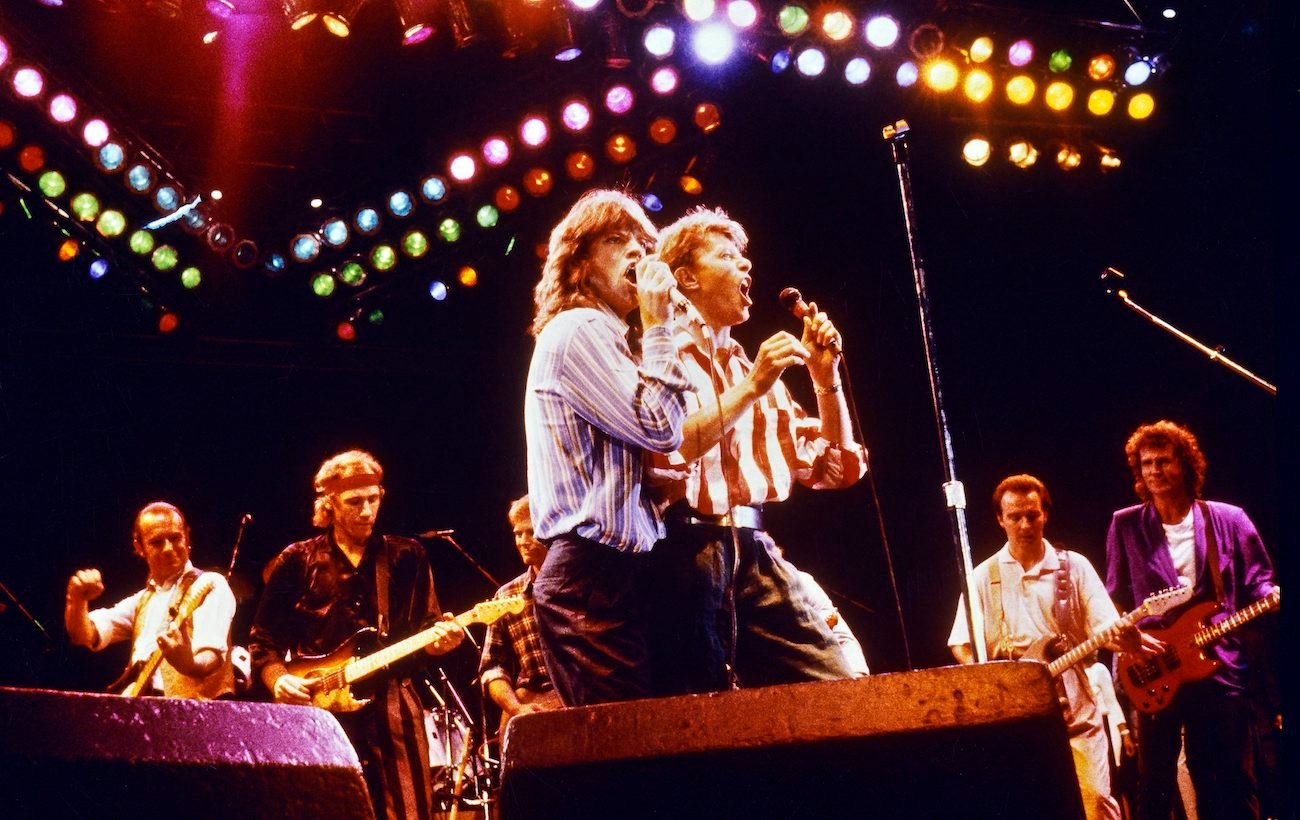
[[246, 518], [1113, 282], [792, 300], [681, 305], [437, 533]]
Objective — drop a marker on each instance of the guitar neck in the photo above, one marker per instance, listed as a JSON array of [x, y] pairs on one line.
[[367, 666], [1094, 643], [1212, 633]]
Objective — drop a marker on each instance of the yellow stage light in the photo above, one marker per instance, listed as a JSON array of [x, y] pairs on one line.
[[1020, 89]]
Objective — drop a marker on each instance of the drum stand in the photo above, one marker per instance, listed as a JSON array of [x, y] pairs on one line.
[[461, 778]]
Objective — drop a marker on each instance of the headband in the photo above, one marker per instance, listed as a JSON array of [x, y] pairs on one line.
[[334, 486]]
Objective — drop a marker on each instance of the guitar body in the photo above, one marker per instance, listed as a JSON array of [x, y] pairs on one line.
[[326, 674], [1152, 681]]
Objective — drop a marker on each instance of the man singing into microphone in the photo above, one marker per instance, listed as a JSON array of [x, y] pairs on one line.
[[745, 442]]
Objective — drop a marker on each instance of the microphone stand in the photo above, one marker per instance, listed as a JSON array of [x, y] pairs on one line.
[[1110, 277], [953, 490], [29, 616], [446, 535]]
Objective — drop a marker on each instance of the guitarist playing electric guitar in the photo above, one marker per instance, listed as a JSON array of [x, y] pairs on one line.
[[322, 591], [186, 657], [1174, 537]]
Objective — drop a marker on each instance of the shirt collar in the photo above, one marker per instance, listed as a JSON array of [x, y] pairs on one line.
[[168, 583]]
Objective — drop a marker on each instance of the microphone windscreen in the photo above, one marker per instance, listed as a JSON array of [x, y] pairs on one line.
[[790, 299]]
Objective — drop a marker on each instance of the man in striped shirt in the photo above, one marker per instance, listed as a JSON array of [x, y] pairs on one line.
[[593, 410], [734, 611]]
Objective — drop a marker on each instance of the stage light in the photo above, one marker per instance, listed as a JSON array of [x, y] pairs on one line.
[[707, 117], [85, 207], [416, 18], [926, 41], [433, 189], [976, 151], [383, 257], [507, 198], [63, 109], [220, 236], [1101, 101], [304, 248], [52, 184], [244, 254], [222, 9], [460, 23], [98, 269], [1101, 67], [168, 322], [620, 148], [164, 258], [780, 61], [1060, 61], [31, 158], [662, 130], [1021, 53], [139, 178], [1020, 89], [1138, 72], [366, 221], [619, 98], [111, 224], [215, 195], [1140, 106], [881, 31], [698, 10], [857, 71], [1169, 14], [742, 13], [907, 74], [978, 85], [659, 40], [652, 203], [68, 250], [981, 49], [449, 230], [4, 51], [375, 317], [584, 5], [534, 132], [438, 290], [323, 284], [352, 273], [300, 13], [664, 80], [576, 115], [811, 61], [28, 83], [194, 221], [335, 233], [166, 199], [415, 244], [1068, 158], [191, 278], [713, 43], [487, 216], [496, 151], [141, 242], [7, 134], [1059, 96], [793, 19], [538, 182], [467, 276], [110, 157], [462, 167], [1109, 160], [1022, 154], [345, 331], [580, 165], [339, 21], [275, 264], [941, 75], [400, 204]]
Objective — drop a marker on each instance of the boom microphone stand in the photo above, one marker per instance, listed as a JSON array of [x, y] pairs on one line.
[[953, 490]]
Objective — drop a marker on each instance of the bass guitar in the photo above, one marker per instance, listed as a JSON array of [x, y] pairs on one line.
[[1158, 604], [193, 598], [1151, 681], [330, 676]]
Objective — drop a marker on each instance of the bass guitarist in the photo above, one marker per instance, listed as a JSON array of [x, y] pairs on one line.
[[321, 591], [195, 651], [1173, 537]]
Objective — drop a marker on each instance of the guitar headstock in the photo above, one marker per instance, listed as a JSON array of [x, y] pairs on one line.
[[490, 611], [1165, 600]]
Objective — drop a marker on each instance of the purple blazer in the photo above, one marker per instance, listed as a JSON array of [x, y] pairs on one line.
[[1138, 565]]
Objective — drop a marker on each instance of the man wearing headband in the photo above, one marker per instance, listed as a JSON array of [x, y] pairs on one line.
[[321, 591]]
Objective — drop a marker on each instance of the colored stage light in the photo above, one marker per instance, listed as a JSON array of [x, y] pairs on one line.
[[323, 284], [881, 31], [1068, 158], [941, 75], [304, 248], [98, 269], [580, 165], [68, 250], [690, 185], [339, 21], [507, 198], [1058, 96], [534, 131], [375, 317], [31, 158], [4, 51], [1109, 160], [714, 43], [52, 184], [166, 199], [1101, 101], [662, 130], [698, 10], [28, 83], [111, 224], [652, 203], [978, 85], [793, 19], [1021, 53], [467, 276], [415, 244], [538, 182], [584, 5], [462, 167], [449, 230], [780, 61], [857, 71], [1101, 67], [1020, 89], [976, 151], [352, 273], [620, 148], [383, 257], [576, 115], [141, 242], [165, 258], [7, 134], [1140, 106], [366, 221], [664, 80], [168, 322], [659, 40], [345, 331], [275, 264], [85, 207], [194, 221], [1060, 61], [191, 278], [837, 25], [416, 17], [1022, 154], [63, 109], [707, 117], [139, 178], [335, 233], [496, 151], [811, 61], [244, 254], [220, 236], [433, 189], [487, 216], [926, 41], [110, 157], [1138, 72], [438, 290], [400, 204], [907, 74], [742, 13], [981, 49]]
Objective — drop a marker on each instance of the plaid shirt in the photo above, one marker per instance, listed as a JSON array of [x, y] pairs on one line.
[[513, 650]]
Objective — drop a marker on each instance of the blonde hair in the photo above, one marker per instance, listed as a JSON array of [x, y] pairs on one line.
[[520, 512], [342, 465], [679, 242], [563, 284]]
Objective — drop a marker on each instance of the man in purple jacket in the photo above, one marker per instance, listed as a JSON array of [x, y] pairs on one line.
[[1160, 543]]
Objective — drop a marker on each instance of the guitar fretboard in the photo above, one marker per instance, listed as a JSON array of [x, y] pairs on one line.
[[1268, 603], [1091, 645], [363, 667]]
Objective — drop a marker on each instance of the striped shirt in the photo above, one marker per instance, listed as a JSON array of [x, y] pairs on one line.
[[513, 650], [772, 445], [591, 413]]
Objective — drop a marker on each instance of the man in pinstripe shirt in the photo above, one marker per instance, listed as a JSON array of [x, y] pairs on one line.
[[593, 409]]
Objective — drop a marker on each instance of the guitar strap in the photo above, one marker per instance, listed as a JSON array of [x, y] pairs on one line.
[[1000, 649], [381, 589], [1068, 606], [1212, 552], [137, 623]]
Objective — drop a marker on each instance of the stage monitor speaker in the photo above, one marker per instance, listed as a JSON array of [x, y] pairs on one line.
[[65, 755], [985, 741]]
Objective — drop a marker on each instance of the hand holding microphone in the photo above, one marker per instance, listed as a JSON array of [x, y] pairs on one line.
[[824, 333]]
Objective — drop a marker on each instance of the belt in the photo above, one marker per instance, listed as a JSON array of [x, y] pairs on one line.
[[741, 517]]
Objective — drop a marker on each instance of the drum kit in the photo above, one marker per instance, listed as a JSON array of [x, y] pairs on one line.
[[463, 781]]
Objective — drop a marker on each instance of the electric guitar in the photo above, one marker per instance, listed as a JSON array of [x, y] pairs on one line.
[[1158, 604], [1152, 681], [330, 676], [193, 598]]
